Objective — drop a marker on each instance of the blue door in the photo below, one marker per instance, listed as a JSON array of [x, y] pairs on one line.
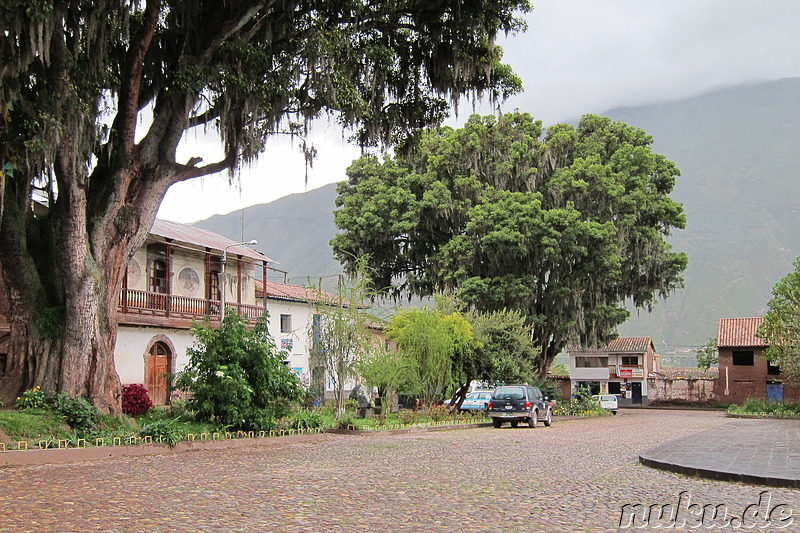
[[775, 392]]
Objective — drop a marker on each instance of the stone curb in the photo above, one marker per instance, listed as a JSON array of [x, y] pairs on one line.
[[718, 475]]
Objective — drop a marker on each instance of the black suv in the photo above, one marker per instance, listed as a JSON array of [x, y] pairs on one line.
[[519, 403]]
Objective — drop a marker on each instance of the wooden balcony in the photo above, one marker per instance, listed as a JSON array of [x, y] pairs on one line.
[[168, 310]]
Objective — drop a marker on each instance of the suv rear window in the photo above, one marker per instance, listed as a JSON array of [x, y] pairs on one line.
[[508, 393]]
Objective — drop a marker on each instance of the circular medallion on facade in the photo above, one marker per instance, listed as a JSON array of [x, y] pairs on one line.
[[134, 273], [188, 281]]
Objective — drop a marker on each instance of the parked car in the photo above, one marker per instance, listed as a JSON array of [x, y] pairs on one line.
[[475, 401], [520, 403], [607, 401]]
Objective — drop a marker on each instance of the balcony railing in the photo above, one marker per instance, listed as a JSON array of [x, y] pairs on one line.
[[133, 302]]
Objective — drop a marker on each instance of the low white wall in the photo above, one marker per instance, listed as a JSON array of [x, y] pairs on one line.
[[133, 344]]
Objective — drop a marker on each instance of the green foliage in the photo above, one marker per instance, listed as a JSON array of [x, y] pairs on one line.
[[305, 419], [168, 431], [390, 371], [581, 405], [237, 377], [563, 226], [432, 342], [32, 399], [81, 415], [758, 406], [707, 355], [507, 354], [781, 326]]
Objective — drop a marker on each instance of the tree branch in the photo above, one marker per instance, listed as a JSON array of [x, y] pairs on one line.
[[128, 110]]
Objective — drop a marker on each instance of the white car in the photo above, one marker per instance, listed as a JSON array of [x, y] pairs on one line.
[[607, 401]]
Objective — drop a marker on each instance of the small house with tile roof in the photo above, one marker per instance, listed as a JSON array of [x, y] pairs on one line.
[[621, 367], [744, 371]]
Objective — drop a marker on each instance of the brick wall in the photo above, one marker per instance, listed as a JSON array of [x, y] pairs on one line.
[[680, 390]]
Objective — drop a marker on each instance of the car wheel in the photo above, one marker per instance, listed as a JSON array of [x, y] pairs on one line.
[[514, 424], [533, 421], [496, 422], [549, 420], [614, 412]]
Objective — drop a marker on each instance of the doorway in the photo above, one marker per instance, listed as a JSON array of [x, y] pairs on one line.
[[636, 392], [157, 368]]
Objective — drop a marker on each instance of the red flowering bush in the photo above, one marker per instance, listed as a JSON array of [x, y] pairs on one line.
[[135, 400]]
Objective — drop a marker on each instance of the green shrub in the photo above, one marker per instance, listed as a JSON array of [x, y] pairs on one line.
[[758, 406], [32, 399], [237, 377], [167, 431], [78, 412], [305, 419]]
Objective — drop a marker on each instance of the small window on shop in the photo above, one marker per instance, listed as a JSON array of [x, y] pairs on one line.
[[630, 359]]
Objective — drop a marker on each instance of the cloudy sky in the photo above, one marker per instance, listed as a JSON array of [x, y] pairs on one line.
[[578, 56]]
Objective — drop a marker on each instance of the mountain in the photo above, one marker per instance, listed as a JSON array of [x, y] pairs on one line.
[[293, 230], [737, 149]]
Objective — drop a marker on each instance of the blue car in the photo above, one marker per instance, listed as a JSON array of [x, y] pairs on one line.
[[476, 401]]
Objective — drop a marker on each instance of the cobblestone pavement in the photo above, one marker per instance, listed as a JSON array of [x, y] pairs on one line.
[[573, 476]]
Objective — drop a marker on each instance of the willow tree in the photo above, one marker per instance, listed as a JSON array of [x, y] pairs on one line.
[[98, 96], [564, 225], [434, 343]]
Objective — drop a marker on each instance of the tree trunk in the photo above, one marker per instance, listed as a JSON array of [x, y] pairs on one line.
[[62, 276]]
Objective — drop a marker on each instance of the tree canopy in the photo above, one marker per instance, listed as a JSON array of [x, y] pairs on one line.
[[564, 225], [97, 96], [781, 326]]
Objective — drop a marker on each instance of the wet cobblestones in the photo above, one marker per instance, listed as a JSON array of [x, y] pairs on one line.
[[574, 476]]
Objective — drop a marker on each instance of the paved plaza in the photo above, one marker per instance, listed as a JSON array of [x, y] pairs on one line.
[[574, 476]]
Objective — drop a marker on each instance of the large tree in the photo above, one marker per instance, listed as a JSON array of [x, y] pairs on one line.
[[98, 96], [565, 226], [781, 326]]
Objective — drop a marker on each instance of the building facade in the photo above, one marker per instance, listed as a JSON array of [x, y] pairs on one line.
[[621, 367], [744, 371]]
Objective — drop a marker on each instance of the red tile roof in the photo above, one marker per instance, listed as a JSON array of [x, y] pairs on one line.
[[296, 293], [739, 332], [630, 345], [204, 238]]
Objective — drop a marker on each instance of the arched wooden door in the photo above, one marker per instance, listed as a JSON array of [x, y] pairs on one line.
[[157, 369]]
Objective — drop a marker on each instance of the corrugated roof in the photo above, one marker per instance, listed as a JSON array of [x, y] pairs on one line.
[[739, 332], [630, 345], [204, 238]]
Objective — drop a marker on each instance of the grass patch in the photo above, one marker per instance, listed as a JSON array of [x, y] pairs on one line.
[[33, 424]]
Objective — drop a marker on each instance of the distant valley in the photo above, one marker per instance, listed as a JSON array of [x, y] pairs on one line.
[[737, 149]]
